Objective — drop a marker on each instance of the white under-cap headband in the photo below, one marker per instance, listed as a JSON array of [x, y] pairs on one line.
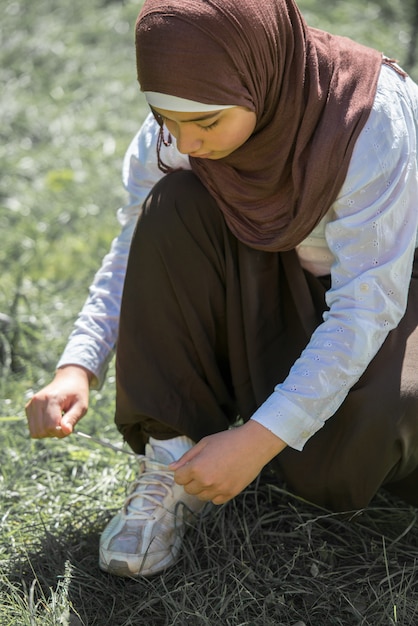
[[181, 105]]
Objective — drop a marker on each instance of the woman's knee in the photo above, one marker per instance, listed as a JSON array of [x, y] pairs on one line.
[[181, 217], [176, 194]]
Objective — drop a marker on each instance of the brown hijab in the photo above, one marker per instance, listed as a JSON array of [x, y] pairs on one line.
[[312, 93]]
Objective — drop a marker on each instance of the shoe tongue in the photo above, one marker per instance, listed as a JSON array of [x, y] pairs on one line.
[[159, 454]]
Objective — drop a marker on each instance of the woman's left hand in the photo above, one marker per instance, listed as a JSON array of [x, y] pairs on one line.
[[220, 466]]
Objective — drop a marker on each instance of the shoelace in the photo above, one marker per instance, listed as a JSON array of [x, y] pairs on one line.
[[141, 487], [150, 487]]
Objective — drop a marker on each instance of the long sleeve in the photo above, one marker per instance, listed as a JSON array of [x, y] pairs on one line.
[[371, 232], [93, 339]]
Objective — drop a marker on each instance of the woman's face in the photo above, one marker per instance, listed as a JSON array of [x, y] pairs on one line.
[[209, 135]]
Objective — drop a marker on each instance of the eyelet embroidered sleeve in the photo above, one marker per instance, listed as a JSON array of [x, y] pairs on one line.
[[372, 234]]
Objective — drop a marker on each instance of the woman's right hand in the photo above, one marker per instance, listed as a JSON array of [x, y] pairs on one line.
[[55, 410]]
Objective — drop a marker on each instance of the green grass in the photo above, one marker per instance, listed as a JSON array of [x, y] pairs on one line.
[[69, 107]]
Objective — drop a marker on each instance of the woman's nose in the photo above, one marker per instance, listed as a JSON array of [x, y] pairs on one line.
[[188, 141]]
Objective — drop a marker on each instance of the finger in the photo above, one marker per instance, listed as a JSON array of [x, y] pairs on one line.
[[41, 421], [202, 494], [183, 475], [221, 499], [208, 495], [54, 430], [70, 419], [192, 489]]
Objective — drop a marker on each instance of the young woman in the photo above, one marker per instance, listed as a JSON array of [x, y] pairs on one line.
[[270, 303]]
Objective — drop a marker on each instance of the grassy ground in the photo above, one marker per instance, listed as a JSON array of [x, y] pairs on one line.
[[69, 107]]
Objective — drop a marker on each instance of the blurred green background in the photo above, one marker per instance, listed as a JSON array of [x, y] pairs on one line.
[[69, 107]]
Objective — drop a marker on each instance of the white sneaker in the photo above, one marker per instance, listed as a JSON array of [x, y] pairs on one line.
[[145, 537]]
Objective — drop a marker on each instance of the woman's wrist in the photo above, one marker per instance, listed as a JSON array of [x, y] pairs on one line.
[[74, 369], [264, 440]]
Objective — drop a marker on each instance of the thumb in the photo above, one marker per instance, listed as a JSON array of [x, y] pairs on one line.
[[68, 421]]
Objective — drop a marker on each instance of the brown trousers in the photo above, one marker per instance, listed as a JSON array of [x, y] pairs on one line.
[[209, 326]]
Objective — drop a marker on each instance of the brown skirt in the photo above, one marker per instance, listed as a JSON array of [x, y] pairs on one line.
[[209, 326]]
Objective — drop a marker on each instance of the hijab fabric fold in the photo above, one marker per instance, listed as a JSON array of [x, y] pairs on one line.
[[312, 93]]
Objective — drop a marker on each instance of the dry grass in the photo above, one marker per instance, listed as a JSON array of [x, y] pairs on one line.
[[264, 559]]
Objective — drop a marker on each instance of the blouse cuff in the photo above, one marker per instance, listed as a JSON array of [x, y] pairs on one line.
[[286, 420], [84, 354]]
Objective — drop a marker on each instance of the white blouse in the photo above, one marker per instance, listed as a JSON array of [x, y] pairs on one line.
[[366, 242]]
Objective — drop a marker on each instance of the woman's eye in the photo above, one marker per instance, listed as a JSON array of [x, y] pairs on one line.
[[213, 125]]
